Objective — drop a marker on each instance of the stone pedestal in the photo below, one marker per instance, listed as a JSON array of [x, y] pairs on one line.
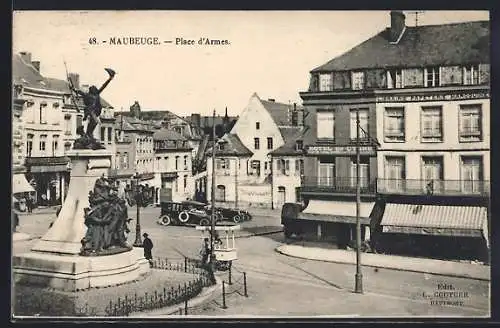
[[54, 261]]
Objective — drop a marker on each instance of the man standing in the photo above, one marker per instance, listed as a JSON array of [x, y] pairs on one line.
[[148, 246]]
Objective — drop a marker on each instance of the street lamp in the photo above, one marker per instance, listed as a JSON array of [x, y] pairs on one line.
[[142, 196], [212, 218]]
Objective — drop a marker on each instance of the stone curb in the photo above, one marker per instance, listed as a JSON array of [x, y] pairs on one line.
[[204, 296], [259, 233], [455, 275]]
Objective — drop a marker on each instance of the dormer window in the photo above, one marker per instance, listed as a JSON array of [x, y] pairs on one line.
[[432, 76], [299, 145], [395, 78], [358, 80], [325, 82], [471, 75]]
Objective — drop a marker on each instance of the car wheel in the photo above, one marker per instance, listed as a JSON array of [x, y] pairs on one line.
[[183, 217], [237, 218], [204, 222], [165, 220]]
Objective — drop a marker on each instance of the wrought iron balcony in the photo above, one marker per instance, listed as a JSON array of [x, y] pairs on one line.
[[434, 187], [342, 185]]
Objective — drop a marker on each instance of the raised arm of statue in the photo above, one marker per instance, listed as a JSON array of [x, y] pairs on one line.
[[111, 76]]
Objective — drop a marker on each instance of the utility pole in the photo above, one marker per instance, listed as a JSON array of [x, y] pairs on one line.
[[359, 275], [212, 221], [138, 239]]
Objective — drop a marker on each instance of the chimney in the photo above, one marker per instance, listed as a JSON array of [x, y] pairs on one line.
[[300, 116], [26, 56], [397, 25], [271, 99], [196, 120], [75, 78], [36, 65]]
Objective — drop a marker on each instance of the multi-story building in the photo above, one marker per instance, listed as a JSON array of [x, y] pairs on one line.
[[134, 150], [288, 170], [262, 127], [173, 179], [231, 158], [423, 105]]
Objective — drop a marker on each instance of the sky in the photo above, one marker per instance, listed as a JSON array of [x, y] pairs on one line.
[[269, 52]]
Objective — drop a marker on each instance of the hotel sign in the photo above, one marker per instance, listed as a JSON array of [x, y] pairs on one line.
[[434, 97], [340, 150]]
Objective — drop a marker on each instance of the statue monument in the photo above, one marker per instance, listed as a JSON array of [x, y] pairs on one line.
[[86, 246]]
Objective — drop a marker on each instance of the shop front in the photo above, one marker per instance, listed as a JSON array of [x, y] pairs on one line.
[[21, 190], [435, 231]]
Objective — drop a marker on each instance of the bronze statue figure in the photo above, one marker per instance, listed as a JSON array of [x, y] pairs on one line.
[[106, 220], [92, 111]]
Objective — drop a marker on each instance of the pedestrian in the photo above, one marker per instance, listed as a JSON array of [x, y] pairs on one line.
[[205, 251], [29, 204], [147, 244]]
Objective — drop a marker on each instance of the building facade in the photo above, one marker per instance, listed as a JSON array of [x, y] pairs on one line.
[[134, 151], [231, 158], [173, 179], [423, 107]]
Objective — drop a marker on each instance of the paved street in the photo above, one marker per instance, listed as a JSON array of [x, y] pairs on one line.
[[280, 285]]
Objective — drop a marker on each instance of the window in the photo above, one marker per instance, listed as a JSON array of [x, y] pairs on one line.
[[176, 163], [394, 173], [185, 181], [43, 142], [281, 196], [165, 164], [364, 172], [283, 166], [254, 168], [471, 173], [432, 124], [222, 164], [326, 125], [256, 143], [220, 193], [358, 80], [326, 172], [185, 162], [471, 74], [257, 125], [299, 167], [110, 135], [470, 123], [432, 173], [67, 124], [326, 82], [79, 122], [299, 145], [29, 144], [363, 124], [103, 133], [269, 143], [395, 78], [125, 161], [431, 76], [394, 124], [55, 144]]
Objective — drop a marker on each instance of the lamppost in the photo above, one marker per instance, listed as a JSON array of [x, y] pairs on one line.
[[138, 200], [142, 196]]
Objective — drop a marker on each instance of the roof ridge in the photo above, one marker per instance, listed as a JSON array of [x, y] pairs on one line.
[[448, 24]]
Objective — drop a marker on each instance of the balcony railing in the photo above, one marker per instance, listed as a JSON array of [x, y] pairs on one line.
[[433, 187], [337, 185]]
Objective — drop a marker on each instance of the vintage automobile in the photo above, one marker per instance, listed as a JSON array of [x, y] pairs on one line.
[[233, 214], [182, 213]]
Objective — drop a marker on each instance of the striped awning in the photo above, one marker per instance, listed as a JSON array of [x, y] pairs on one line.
[[468, 221], [336, 211]]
